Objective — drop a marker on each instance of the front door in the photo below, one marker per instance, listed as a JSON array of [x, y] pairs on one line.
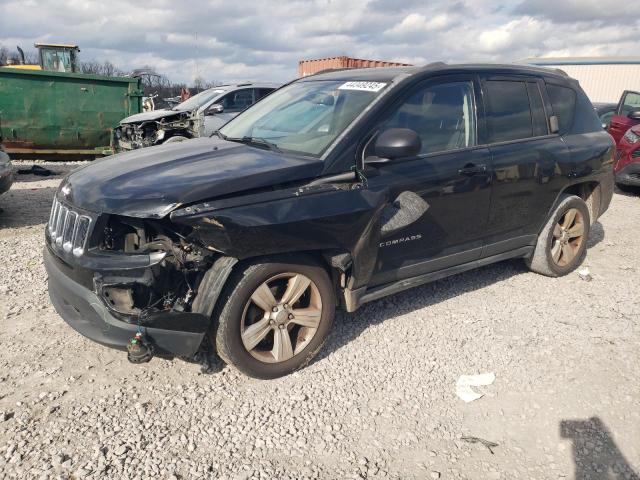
[[620, 122], [440, 198]]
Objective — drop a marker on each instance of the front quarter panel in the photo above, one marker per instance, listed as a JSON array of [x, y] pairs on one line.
[[333, 217]]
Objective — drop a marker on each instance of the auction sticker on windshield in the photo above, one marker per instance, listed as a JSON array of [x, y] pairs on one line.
[[365, 86]]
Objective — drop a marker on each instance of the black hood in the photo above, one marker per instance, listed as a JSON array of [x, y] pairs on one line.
[[151, 182]]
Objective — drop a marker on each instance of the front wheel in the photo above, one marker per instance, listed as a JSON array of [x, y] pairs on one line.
[[563, 240], [274, 317]]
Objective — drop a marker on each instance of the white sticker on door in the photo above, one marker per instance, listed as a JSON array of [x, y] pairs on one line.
[[364, 86]]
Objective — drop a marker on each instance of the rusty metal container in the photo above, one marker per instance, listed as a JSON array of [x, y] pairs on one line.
[[309, 67], [53, 113]]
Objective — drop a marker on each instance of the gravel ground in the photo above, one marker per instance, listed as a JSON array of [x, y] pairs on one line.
[[380, 400]]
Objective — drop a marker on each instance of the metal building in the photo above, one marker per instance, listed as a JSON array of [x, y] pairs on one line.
[[602, 78]]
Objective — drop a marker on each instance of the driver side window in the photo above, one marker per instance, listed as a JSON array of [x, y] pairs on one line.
[[631, 103], [237, 101], [442, 115]]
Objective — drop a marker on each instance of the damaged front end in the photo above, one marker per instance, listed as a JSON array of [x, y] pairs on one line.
[[129, 279], [131, 134]]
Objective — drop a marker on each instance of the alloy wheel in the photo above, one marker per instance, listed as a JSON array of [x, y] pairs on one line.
[[568, 236], [281, 317]]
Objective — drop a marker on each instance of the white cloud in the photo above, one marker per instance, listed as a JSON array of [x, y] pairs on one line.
[[265, 39], [416, 23]]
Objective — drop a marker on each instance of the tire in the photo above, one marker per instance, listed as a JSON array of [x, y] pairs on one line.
[[175, 139], [545, 259], [237, 311]]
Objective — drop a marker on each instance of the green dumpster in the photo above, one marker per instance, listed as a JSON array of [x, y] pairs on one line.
[[51, 113]]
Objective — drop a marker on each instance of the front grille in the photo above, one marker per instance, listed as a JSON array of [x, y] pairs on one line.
[[636, 153], [68, 230]]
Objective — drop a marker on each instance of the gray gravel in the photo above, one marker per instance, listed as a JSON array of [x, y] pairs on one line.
[[379, 402]]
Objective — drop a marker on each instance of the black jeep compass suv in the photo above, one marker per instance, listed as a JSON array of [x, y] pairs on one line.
[[335, 190]]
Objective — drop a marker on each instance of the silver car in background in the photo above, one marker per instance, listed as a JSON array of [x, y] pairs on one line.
[[198, 116]]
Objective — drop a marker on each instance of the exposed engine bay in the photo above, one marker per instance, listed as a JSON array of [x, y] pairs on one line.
[[168, 284], [146, 133]]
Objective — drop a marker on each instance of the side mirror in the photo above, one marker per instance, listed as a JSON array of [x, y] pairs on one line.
[[395, 143], [634, 115], [215, 108], [554, 124]]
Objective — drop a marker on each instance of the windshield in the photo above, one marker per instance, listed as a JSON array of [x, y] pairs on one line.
[[304, 117], [198, 100]]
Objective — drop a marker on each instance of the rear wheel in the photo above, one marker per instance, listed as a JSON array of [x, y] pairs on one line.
[[563, 240], [274, 317]]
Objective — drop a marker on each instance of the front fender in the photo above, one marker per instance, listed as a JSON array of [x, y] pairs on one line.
[[328, 217]]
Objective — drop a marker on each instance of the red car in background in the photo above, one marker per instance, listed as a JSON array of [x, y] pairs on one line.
[[625, 130], [627, 166]]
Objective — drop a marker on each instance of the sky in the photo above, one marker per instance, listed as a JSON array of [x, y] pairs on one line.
[[238, 40]]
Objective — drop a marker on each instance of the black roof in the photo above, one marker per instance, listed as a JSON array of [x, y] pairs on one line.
[[382, 74]]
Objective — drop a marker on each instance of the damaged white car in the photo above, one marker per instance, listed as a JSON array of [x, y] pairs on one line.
[[198, 116]]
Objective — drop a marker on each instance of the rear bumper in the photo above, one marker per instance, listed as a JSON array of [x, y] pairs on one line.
[[629, 175], [83, 310]]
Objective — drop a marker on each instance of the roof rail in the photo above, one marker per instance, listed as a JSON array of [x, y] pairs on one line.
[[434, 64]]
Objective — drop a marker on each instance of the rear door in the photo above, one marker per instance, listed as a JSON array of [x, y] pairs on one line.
[[440, 198], [620, 123], [524, 158]]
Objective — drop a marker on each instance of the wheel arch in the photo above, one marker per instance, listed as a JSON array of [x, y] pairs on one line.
[[590, 191], [335, 262]]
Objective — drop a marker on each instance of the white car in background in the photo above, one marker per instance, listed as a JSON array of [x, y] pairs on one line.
[[198, 116]]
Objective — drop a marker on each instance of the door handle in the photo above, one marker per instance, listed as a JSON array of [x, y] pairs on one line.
[[471, 169]]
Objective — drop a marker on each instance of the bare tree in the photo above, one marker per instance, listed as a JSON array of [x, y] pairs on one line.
[[96, 68]]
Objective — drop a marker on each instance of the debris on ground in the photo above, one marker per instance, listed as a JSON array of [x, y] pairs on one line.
[[465, 382], [37, 170], [585, 274], [490, 445]]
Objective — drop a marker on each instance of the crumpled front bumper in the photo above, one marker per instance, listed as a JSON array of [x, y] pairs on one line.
[[85, 312]]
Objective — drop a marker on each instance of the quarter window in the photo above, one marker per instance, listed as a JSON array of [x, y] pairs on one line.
[[508, 111], [563, 101], [442, 115]]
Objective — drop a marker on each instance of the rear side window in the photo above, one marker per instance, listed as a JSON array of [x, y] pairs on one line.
[[508, 112], [563, 101], [537, 110]]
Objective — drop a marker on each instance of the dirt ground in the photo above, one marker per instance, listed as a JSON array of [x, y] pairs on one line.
[[379, 402]]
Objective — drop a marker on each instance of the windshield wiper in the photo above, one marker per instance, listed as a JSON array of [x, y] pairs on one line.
[[256, 141], [219, 134]]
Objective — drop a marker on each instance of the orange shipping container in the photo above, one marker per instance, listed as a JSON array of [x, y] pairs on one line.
[[309, 67]]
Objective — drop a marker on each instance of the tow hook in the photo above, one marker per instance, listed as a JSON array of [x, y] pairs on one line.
[[139, 349]]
